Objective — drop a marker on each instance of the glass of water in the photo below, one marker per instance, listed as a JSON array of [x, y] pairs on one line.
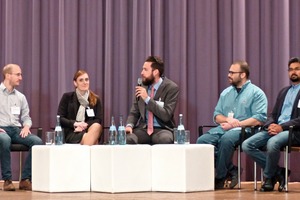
[[50, 137], [187, 137], [175, 135]]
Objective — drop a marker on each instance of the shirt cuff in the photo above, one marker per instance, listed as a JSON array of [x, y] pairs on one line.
[[129, 125], [147, 100]]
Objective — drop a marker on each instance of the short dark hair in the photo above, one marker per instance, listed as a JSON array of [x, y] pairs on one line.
[[294, 60], [244, 67], [157, 63]]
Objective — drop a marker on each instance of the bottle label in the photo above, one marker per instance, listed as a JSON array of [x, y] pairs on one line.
[[59, 138], [58, 128], [121, 128], [112, 128], [180, 128]]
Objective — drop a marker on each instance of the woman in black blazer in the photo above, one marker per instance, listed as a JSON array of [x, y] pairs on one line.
[[81, 113]]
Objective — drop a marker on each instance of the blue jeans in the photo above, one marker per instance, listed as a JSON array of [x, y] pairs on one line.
[[268, 160], [12, 135], [225, 145]]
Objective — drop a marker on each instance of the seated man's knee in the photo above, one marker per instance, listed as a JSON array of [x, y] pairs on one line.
[[199, 140], [165, 139], [37, 140], [5, 141], [227, 140], [245, 146], [231, 138], [131, 138], [273, 146], [204, 139]]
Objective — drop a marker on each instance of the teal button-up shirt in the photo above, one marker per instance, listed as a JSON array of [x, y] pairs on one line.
[[250, 102]]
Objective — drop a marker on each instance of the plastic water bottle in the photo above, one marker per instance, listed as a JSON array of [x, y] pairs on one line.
[[59, 135], [180, 131], [121, 132], [112, 132]]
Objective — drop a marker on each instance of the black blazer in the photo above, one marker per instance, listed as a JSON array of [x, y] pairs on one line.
[[68, 108], [295, 116]]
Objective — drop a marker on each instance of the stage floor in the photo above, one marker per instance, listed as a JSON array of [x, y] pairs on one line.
[[247, 192]]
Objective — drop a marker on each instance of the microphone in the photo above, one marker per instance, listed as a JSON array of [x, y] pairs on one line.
[[139, 83]]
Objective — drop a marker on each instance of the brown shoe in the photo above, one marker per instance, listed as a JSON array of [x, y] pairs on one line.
[[8, 186], [25, 184]]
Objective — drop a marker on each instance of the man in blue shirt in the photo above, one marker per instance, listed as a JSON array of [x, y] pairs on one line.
[[241, 104], [274, 134]]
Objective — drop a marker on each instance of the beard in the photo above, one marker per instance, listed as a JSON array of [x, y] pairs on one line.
[[294, 78], [234, 83], [148, 81]]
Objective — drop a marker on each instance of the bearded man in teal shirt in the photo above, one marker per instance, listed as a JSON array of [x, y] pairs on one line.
[[241, 104]]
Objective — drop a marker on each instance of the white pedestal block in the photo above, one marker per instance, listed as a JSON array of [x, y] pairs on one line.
[[120, 168], [183, 168], [61, 168]]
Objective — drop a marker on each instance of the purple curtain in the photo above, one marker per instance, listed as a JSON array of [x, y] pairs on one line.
[[197, 39]]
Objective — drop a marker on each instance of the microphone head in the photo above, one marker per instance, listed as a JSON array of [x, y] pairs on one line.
[[139, 81]]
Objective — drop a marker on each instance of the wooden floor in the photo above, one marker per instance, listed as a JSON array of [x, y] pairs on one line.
[[246, 192]]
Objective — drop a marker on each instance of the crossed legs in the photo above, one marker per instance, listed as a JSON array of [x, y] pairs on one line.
[[91, 137]]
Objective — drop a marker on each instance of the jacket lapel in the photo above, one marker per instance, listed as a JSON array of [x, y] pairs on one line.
[[295, 106], [160, 90], [75, 103]]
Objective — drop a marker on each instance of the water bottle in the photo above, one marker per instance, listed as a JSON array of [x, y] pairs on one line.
[[121, 132], [180, 131], [112, 133], [59, 136]]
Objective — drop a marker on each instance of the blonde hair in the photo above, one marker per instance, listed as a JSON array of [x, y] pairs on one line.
[[7, 69]]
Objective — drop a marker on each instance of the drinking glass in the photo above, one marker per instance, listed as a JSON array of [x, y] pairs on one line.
[[175, 135], [50, 137], [187, 137]]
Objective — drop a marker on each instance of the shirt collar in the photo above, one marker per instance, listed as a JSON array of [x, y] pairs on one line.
[[297, 86], [3, 88], [243, 86], [156, 85]]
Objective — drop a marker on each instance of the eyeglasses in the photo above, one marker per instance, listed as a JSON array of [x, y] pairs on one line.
[[231, 73], [294, 69], [16, 74]]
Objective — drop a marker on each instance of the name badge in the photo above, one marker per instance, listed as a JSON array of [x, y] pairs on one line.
[[90, 112], [299, 103], [160, 103], [15, 110], [230, 114]]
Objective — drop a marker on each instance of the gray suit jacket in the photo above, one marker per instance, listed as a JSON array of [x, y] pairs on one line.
[[168, 93]]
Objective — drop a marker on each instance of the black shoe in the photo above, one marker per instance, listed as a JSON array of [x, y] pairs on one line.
[[281, 178], [268, 185], [234, 176], [219, 183]]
